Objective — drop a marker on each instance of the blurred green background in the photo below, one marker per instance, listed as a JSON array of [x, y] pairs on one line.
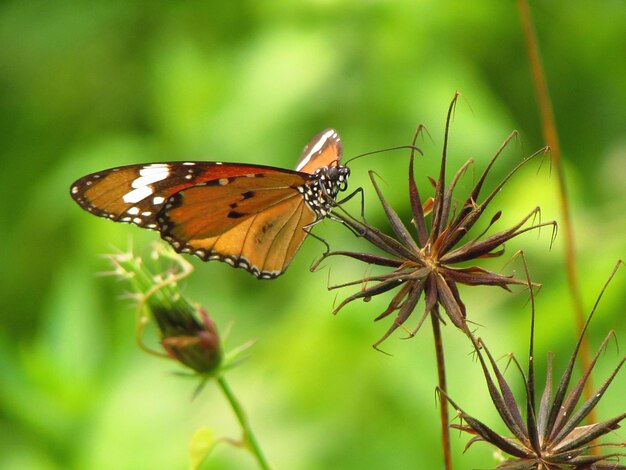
[[90, 85]]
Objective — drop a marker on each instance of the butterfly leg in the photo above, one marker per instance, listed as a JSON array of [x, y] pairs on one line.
[[307, 229], [351, 195], [346, 199]]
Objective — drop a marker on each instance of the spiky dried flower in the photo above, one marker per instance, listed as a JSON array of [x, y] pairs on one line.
[[427, 264], [551, 437]]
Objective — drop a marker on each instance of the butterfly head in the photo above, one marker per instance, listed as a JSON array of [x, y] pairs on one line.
[[338, 176], [322, 188]]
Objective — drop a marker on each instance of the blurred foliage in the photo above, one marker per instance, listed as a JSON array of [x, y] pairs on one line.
[[88, 85]]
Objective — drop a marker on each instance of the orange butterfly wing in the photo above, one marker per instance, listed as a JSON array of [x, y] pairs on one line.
[[325, 149], [213, 208], [137, 193], [256, 223], [264, 243], [250, 216]]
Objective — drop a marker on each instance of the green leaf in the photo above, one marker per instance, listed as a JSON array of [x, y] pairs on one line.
[[202, 443]]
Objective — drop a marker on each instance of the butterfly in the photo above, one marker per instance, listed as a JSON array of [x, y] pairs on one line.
[[249, 216]]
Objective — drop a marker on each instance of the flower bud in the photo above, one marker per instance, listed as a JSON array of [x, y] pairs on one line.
[[190, 340], [188, 334]]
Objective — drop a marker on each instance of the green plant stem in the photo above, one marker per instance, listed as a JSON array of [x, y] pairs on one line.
[[552, 139], [249, 438], [441, 375]]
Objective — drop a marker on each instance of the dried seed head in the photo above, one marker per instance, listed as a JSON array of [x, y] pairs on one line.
[[551, 436], [426, 265]]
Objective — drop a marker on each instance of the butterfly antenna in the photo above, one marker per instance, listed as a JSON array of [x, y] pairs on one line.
[[413, 148]]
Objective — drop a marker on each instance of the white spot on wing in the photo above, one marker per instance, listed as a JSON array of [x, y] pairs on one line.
[[156, 200], [151, 174], [155, 165], [139, 194], [74, 189], [133, 210]]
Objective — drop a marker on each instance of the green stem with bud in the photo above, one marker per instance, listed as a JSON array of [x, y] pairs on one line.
[[249, 439]]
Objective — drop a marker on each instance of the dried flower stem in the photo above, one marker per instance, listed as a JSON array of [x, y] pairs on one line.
[[441, 377], [552, 139], [249, 439]]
